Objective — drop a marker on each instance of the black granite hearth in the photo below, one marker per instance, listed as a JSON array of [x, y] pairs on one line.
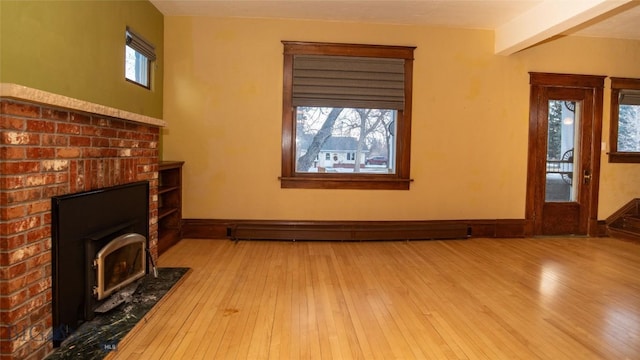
[[96, 338]]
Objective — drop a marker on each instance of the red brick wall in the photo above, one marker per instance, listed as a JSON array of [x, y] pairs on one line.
[[44, 152]]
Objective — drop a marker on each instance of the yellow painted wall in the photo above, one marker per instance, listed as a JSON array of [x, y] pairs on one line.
[[223, 104], [76, 49]]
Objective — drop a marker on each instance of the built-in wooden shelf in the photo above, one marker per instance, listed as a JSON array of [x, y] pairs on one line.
[[169, 204], [164, 189], [162, 212]]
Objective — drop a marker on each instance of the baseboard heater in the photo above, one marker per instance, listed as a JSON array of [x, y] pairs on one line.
[[348, 231]]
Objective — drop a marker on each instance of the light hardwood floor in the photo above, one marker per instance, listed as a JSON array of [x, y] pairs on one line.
[[547, 298]]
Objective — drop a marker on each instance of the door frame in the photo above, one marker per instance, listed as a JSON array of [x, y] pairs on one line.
[[534, 201]]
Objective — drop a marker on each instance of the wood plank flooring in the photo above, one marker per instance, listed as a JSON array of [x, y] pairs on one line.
[[547, 298]]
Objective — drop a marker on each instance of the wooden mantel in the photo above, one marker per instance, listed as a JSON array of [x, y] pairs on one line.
[[21, 92]]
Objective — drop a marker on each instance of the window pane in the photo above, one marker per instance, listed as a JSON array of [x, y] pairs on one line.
[[629, 128], [136, 67], [345, 140], [562, 150]]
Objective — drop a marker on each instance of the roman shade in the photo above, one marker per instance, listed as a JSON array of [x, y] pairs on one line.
[[629, 97], [139, 44], [348, 81]]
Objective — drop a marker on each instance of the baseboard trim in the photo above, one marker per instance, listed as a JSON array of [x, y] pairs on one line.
[[351, 230], [602, 228]]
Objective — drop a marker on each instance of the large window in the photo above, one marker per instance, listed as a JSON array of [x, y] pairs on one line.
[[346, 116], [625, 120], [139, 54]]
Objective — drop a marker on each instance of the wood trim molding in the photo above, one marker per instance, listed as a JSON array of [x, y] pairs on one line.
[[615, 156], [632, 207], [602, 228], [625, 222], [206, 228], [351, 230], [566, 80]]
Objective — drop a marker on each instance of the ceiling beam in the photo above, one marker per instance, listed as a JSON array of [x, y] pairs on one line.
[[548, 19]]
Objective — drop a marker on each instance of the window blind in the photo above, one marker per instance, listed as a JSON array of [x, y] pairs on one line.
[[139, 44], [346, 81], [629, 97]]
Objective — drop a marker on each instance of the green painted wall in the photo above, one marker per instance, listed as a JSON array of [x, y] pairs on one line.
[[76, 49]]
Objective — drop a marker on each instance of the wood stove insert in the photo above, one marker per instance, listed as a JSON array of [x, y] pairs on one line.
[[99, 244]]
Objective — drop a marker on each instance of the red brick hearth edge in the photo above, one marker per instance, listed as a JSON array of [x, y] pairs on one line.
[[47, 151]]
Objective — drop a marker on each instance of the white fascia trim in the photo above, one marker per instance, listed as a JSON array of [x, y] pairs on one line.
[[548, 19]]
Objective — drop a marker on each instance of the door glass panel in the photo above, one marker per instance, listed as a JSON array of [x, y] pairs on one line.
[[562, 151]]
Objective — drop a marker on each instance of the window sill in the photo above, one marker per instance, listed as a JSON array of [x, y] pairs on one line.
[[624, 157], [344, 183], [147, 86]]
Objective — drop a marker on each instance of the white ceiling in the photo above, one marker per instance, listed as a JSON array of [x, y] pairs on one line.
[[518, 23]]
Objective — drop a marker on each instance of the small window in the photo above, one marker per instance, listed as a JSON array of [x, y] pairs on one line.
[[625, 121], [139, 54], [350, 101]]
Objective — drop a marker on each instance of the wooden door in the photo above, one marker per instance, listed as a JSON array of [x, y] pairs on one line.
[[564, 142]]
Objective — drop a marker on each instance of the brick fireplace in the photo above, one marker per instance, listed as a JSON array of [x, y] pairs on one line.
[[52, 145]]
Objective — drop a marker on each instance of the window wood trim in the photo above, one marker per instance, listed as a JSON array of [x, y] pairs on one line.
[[292, 179], [615, 156]]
